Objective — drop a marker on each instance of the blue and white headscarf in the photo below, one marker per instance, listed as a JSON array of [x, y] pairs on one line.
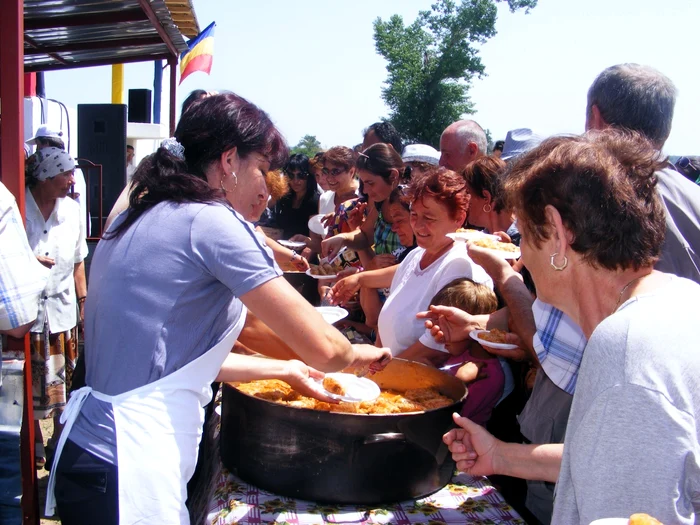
[[51, 162]]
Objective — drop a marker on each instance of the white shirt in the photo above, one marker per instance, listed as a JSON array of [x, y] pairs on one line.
[[22, 277], [61, 238], [81, 190], [326, 202], [130, 170], [412, 290]]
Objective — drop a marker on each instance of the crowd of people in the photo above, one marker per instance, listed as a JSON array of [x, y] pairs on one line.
[[598, 399]]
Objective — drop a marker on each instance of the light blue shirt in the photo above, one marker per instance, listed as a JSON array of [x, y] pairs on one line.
[[160, 296]]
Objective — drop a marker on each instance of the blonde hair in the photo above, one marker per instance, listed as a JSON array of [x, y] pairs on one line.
[[277, 185], [465, 294]]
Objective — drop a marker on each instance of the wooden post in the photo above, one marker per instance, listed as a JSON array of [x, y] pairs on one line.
[[12, 173], [172, 62]]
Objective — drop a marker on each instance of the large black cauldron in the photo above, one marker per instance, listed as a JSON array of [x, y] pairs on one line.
[[343, 458]]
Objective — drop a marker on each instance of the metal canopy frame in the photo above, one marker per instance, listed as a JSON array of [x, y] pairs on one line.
[[62, 34]]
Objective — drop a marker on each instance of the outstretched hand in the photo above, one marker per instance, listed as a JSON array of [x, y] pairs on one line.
[[472, 447], [302, 378], [345, 289], [448, 324]]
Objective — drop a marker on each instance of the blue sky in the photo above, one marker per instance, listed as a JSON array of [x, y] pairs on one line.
[[311, 64]]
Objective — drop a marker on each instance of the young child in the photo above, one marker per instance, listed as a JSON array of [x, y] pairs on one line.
[[481, 371]]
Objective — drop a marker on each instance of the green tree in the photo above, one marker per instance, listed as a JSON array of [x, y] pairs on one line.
[[308, 145], [432, 62]]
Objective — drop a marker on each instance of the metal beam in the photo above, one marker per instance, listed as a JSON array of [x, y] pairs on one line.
[[12, 174], [148, 10], [172, 62], [111, 18], [38, 49], [100, 62], [29, 40]]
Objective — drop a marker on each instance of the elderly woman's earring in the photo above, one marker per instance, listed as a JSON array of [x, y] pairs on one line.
[[486, 206], [558, 268]]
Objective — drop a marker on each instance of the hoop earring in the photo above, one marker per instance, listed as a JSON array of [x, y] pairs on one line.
[[486, 206], [558, 268], [235, 183]]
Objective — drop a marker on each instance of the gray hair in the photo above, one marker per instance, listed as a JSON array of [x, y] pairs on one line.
[[468, 131], [635, 97]]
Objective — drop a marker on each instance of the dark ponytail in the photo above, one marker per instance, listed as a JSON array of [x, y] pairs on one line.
[[380, 159]]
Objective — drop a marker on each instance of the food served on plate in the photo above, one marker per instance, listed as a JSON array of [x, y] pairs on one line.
[[643, 519], [494, 336], [289, 267], [467, 230], [388, 402], [492, 244], [332, 386], [322, 269]]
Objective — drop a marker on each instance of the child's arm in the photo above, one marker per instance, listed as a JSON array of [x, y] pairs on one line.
[[471, 371]]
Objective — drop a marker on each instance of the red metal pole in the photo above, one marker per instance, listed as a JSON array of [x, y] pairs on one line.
[[172, 62], [12, 170]]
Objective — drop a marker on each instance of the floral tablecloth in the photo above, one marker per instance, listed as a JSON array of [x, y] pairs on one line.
[[464, 500]]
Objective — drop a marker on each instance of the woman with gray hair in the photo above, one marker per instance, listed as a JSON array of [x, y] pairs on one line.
[[592, 228], [57, 238]]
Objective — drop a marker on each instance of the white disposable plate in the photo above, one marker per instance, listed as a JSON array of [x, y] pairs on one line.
[[332, 314], [357, 389], [321, 277], [292, 245], [611, 521], [474, 334], [502, 254], [316, 226], [470, 236]]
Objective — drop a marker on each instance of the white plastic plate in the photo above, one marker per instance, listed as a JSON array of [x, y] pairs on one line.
[[357, 389], [332, 314], [471, 236], [316, 226], [321, 277], [292, 245], [502, 254], [474, 334]]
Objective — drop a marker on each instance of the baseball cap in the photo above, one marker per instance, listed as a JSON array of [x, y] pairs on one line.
[[421, 153], [45, 132]]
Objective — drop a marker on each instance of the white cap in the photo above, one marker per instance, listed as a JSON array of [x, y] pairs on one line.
[[45, 132], [421, 153]]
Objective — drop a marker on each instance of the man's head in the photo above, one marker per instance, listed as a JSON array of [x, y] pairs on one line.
[[461, 143], [498, 148], [634, 97], [129, 154], [382, 132]]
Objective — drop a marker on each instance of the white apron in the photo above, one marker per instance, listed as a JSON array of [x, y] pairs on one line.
[[158, 429]]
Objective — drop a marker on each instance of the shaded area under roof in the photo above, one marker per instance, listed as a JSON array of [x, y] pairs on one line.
[[62, 34]]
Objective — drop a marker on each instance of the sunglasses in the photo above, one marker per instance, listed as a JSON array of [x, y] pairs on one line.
[[685, 164], [334, 172], [302, 175]]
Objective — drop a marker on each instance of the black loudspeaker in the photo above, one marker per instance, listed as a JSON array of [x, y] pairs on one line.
[[102, 141], [140, 105]]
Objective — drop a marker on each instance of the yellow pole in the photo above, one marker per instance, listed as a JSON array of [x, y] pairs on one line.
[[118, 84]]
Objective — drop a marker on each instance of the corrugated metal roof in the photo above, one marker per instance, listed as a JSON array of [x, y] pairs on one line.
[[184, 17], [61, 34]]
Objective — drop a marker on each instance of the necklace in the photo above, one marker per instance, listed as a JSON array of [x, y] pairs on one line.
[[624, 289]]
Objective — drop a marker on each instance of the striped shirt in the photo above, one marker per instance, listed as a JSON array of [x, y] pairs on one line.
[[22, 277], [559, 343]]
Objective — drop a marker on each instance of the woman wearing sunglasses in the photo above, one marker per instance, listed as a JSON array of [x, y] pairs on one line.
[[293, 211]]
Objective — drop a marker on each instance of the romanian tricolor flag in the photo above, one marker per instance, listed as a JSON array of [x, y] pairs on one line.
[[200, 54]]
